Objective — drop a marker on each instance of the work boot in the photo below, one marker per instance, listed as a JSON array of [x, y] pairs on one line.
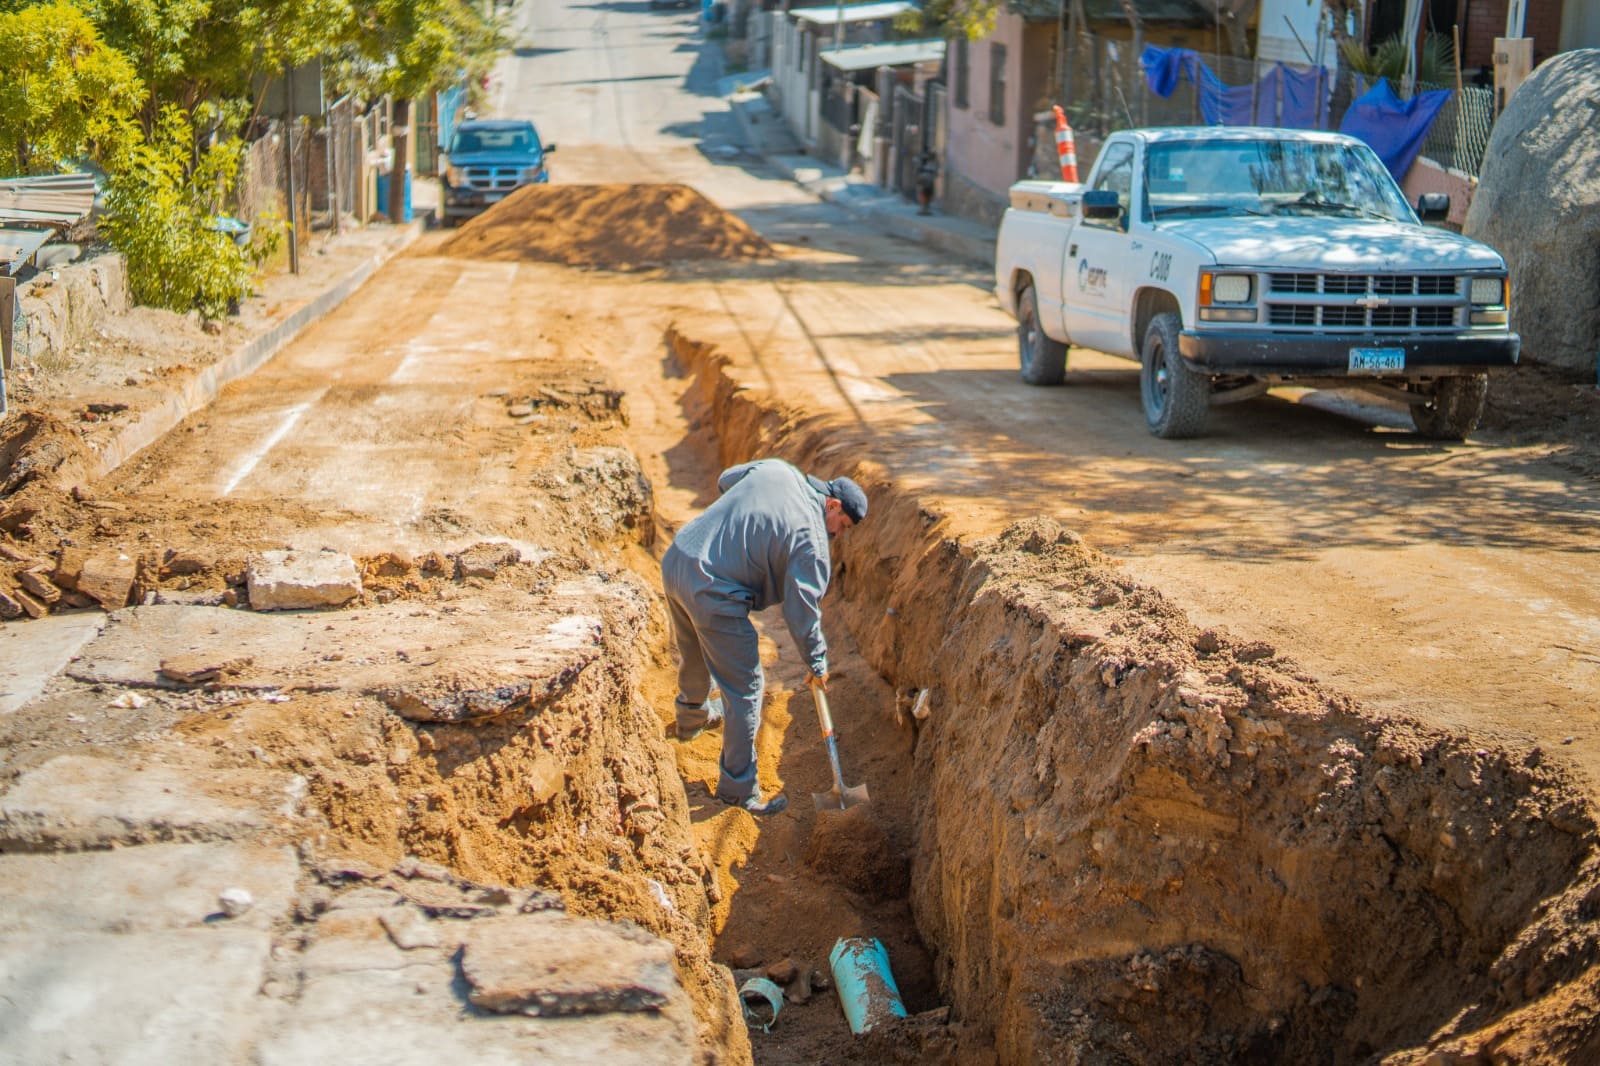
[[755, 804], [714, 715]]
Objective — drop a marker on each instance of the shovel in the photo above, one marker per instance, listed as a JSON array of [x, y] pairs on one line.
[[840, 796]]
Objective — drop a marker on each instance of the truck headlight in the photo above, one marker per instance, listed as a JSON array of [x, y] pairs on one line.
[[532, 173], [1230, 288], [454, 175], [1488, 292]]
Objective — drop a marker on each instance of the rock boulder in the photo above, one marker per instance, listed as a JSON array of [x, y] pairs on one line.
[[1538, 204]]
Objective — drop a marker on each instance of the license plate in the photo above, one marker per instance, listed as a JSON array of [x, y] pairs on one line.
[[1376, 360], [491, 197]]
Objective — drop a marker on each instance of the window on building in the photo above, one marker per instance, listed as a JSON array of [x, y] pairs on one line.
[[997, 84], [960, 74]]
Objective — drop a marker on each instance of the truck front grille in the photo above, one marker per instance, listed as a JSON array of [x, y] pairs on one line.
[[1335, 316], [494, 179], [1374, 302]]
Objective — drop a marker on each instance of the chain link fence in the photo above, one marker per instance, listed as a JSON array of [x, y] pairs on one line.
[[1459, 137]]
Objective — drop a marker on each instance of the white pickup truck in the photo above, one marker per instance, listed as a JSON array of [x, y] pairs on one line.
[[1230, 260]]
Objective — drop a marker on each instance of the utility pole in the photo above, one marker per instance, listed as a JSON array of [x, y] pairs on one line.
[[288, 167]]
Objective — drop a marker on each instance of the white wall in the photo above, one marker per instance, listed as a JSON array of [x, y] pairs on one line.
[[1275, 40]]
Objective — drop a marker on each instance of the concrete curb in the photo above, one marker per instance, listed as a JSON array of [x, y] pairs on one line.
[[200, 390]]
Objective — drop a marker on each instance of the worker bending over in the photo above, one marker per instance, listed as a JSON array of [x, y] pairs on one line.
[[763, 542]]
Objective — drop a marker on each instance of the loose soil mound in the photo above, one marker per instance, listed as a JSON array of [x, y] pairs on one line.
[[852, 849], [614, 227]]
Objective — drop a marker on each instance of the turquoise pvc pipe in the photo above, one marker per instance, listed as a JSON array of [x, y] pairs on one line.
[[866, 988]]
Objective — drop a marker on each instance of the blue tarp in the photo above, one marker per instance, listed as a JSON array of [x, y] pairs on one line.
[[1164, 68], [1305, 98], [1305, 94], [1395, 128]]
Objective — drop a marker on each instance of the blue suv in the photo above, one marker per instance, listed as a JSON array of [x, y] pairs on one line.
[[487, 160]]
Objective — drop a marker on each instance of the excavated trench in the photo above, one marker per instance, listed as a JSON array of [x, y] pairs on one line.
[[1134, 841]]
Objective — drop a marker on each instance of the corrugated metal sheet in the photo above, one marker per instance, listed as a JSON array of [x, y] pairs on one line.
[[17, 245], [829, 15], [54, 199], [892, 54]]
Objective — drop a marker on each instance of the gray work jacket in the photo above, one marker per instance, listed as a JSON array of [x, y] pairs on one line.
[[763, 542]]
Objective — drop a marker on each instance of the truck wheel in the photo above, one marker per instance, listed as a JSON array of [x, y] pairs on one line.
[[1044, 361], [1454, 407], [1176, 399]]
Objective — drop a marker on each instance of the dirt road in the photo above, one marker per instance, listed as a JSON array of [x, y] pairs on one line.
[[1451, 580]]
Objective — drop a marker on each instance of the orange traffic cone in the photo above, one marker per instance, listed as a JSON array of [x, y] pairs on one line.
[[1066, 149]]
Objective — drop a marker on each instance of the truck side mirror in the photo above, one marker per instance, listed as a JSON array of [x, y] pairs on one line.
[[1101, 204], [1433, 206]]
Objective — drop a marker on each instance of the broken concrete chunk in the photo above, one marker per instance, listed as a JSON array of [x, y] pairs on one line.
[[464, 696], [549, 966], [108, 578], [33, 607], [187, 561], [69, 566], [10, 607], [337, 869], [300, 580], [485, 560], [191, 668], [212, 598], [408, 929], [39, 587], [443, 901]]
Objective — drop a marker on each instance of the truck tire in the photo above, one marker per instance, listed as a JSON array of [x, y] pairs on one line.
[[1044, 361], [1454, 408], [1176, 399]]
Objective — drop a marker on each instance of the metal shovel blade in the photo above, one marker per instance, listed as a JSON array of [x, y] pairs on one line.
[[841, 796], [834, 800]]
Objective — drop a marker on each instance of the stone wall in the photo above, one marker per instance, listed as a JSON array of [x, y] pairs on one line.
[[64, 306]]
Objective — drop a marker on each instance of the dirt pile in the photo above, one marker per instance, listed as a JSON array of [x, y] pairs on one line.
[[612, 227], [1136, 839], [855, 851]]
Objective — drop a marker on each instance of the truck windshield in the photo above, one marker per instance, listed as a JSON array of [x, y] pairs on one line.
[[1269, 177], [518, 139]]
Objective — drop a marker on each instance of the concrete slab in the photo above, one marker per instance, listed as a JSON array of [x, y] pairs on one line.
[[143, 999], [413, 1016], [32, 653], [144, 889], [552, 965], [78, 801], [483, 663]]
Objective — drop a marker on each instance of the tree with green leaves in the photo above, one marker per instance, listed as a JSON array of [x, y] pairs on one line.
[[69, 95], [161, 207]]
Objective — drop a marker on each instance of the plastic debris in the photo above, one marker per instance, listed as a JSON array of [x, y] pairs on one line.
[[751, 994]]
